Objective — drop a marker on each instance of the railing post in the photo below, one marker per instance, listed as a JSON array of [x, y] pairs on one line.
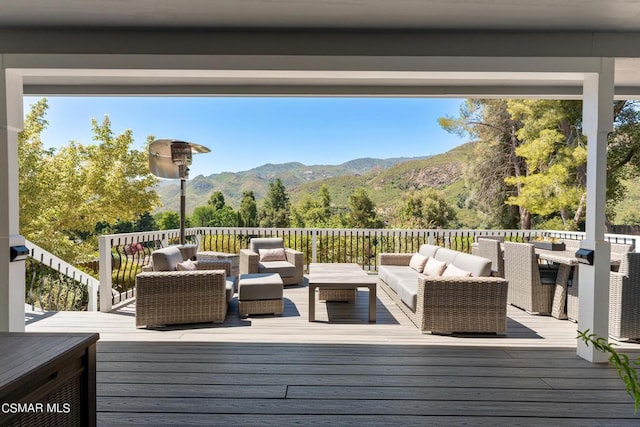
[[104, 248], [314, 245]]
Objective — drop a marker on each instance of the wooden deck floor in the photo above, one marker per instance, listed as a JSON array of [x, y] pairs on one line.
[[342, 370]]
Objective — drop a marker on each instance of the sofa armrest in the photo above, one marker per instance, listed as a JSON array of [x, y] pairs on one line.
[[248, 261], [394, 259]]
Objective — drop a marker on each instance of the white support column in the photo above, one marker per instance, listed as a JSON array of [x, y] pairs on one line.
[[597, 112], [12, 274]]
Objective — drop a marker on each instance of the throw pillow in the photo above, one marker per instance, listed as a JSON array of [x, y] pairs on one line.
[[434, 267], [276, 254], [418, 262], [187, 265], [453, 271]]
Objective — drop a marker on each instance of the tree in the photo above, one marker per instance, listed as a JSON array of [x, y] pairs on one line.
[[216, 200], [555, 156], [363, 211], [203, 216], [276, 209], [64, 194], [489, 123], [531, 154], [168, 220], [426, 208], [248, 211], [314, 211]]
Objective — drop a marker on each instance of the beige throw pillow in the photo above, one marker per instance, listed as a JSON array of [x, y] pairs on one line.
[[418, 262], [187, 265], [434, 267], [453, 271], [276, 254]]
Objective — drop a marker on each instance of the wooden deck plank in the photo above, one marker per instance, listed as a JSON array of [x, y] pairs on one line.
[[271, 370], [576, 410], [115, 419]]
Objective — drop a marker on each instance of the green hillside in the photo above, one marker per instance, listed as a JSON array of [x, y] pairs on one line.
[[232, 185], [387, 187]]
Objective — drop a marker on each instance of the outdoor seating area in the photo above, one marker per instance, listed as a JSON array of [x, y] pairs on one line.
[[269, 368], [228, 366]]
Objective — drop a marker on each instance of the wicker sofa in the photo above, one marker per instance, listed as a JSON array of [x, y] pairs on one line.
[[475, 304], [166, 296]]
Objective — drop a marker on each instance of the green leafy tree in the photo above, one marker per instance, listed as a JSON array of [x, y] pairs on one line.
[[168, 220], [530, 155], [224, 217], [427, 208], [145, 222], [64, 194], [276, 209], [203, 216], [555, 157], [248, 211], [314, 211], [362, 211], [217, 200], [489, 123]]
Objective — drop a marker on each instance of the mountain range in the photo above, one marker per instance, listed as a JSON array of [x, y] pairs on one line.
[[294, 176]]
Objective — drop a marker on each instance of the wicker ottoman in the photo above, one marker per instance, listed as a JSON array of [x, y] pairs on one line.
[[260, 294]]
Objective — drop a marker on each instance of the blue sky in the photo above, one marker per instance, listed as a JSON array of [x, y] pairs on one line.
[[243, 133]]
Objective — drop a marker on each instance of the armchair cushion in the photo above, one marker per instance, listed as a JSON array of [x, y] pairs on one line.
[[273, 254], [187, 265], [283, 268]]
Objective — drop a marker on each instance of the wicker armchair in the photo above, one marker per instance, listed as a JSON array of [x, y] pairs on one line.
[[624, 299], [618, 253], [289, 268], [490, 248], [528, 290], [176, 297]]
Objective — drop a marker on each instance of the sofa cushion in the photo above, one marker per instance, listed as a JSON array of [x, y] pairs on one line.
[[478, 266], [434, 267], [447, 255], [428, 250], [392, 274], [273, 254], [453, 271], [283, 268], [166, 259], [418, 262], [407, 290]]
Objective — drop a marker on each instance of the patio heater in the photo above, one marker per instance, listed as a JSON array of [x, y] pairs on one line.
[[169, 158]]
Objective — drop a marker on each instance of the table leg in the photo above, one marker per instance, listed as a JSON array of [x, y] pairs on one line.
[[372, 303], [560, 294], [312, 303]]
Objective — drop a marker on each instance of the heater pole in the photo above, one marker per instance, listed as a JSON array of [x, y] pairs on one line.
[[182, 210]]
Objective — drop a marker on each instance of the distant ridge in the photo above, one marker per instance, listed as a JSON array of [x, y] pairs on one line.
[[292, 174]]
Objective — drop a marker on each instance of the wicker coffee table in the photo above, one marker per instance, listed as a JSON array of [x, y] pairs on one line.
[[340, 277]]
